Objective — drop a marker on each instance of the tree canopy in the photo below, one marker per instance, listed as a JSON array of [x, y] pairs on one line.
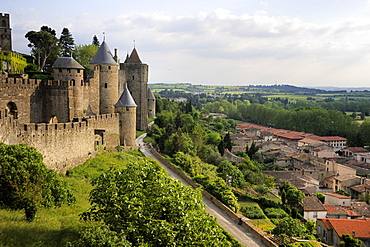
[[66, 43], [145, 207], [26, 183], [43, 44]]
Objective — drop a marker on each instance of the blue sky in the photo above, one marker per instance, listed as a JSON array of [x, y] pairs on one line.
[[219, 42]]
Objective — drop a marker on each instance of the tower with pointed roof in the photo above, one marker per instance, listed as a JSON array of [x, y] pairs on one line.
[[126, 107], [134, 74], [103, 81]]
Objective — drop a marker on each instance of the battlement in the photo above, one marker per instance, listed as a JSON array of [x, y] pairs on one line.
[[4, 15], [9, 82]]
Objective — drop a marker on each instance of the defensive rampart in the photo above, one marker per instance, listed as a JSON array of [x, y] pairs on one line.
[[63, 145]]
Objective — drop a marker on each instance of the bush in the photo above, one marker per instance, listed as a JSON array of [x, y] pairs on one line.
[[253, 212], [275, 213]]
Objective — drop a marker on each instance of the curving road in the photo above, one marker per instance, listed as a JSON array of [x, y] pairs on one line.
[[241, 234]]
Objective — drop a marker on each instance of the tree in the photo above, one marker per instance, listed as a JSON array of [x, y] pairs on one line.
[[26, 183], [143, 205], [84, 54], [66, 43], [42, 44], [349, 241], [289, 227], [227, 171], [294, 197], [227, 141], [95, 41]]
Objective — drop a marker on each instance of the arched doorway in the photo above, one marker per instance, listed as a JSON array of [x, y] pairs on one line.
[[12, 110]]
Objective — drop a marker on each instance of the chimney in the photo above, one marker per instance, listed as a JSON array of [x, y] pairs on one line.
[[115, 55], [353, 233]]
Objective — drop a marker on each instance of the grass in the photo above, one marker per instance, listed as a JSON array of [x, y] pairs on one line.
[[55, 227], [263, 224]]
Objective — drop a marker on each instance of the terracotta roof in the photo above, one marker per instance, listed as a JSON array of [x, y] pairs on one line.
[[338, 196], [346, 177], [357, 149], [360, 228], [312, 203], [361, 208], [361, 188], [329, 138], [339, 210]]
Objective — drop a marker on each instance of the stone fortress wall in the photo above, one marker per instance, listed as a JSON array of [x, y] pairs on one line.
[[63, 145]]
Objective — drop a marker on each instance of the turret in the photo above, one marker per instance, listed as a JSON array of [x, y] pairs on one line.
[[68, 69], [104, 84], [135, 75], [151, 104], [126, 107], [6, 33]]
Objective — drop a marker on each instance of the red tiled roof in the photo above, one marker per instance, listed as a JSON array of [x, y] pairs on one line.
[[339, 210], [360, 228], [312, 203], [328, 138], [338, 196], [357, 149]]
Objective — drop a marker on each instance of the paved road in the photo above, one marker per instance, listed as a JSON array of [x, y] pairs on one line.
[[242, 235]]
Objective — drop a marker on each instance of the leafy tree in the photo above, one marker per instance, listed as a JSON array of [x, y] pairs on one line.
[[289, 227], [66, 43], [349, 241], [151, 209], [95, 41], [84, 54], [294, 197], [226, 168], [42, 44], [342, 192], [320, 196], [26, 183]]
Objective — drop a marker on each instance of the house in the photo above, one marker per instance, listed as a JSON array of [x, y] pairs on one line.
[[313, 208], [344, 182], [353, 151], [332, 230], [336, 142], [362, 209], [338, 169], [359, 190], [336, 199], [340, 212]]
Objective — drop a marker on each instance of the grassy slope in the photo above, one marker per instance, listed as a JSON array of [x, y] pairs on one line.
[[56, 226]]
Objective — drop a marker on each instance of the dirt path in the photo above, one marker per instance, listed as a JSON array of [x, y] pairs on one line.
[[242, 235]]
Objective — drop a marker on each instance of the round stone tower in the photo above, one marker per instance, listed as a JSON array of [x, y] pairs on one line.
[[68, 70], [105, 86], [151, 104], [136, 78], [126, 107], [6, 33]]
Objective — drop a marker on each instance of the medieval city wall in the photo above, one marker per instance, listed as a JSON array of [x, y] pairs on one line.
[[63, 145]]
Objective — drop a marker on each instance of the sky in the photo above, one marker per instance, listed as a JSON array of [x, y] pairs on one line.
[[218, 42]]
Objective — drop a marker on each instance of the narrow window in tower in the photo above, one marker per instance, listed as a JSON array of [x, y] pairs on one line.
[[3, 23], [82, 82], [60, 70], [105, 85], [78, 70], [109, 67], [133, 77], [69, 70]]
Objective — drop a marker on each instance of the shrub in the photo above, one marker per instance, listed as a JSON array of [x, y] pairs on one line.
[[275, 213], [253, 212]]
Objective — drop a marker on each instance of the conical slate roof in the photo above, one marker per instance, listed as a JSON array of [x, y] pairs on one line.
[[126, 99], [150, 94], [103, 55], [67, 63], [134, 57]]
